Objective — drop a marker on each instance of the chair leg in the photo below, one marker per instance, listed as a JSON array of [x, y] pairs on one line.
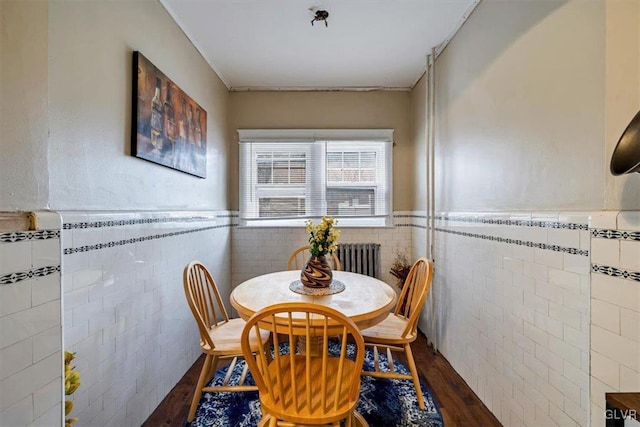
[[358, 420], [414, 375], [204, 373], [264, 421]]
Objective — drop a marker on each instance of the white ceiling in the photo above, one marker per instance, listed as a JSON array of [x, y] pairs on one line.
[[271, 44]]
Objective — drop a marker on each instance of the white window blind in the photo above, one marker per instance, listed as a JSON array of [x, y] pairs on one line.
[[289, 176]]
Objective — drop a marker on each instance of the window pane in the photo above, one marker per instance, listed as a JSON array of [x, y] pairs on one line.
[[334, 160], [351, 159], [277, 168], [334, 175], [273, 207], [351, 201], [280, 171], [280, 175], [298, 172], [350, 175], [351, 166], [367, 175], [368, 159], [264, 172]]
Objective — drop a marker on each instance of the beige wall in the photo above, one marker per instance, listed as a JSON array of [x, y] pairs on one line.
[[24, 116], [622, 94], [90, 50], [328, 110], [521, 109]]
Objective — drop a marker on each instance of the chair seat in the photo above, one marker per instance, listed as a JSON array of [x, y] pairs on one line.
[[284, 409], [388, 331], [226, 337]]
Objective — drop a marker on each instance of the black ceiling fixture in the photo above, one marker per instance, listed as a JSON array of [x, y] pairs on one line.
[[321, 15], [626, 156]]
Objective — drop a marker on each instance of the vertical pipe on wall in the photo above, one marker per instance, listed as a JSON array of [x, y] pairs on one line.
[[433, 153], [427, 135], [430, 188], [432, 203]]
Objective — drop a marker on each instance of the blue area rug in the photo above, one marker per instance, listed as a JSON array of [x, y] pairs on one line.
[[383, 402]]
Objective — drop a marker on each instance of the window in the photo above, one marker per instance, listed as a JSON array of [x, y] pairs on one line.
[[289, 176]]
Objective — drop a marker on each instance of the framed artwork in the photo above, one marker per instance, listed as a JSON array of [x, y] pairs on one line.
[[168, 127]]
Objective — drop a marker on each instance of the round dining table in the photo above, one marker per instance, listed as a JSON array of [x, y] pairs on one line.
[[365, 300]]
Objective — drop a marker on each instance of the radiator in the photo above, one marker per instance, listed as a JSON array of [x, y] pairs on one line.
[[363, 258]]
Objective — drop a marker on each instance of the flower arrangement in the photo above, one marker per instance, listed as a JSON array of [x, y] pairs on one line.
[[400, 268], [323, 238], [71, 384]]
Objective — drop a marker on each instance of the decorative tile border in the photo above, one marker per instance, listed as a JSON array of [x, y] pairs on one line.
[[87, 248], [19, 276], [233, 215], [515, 222], [616, 272], [410, 216], [123, 222], [21, 236], [603, 233], [546, 246], [507, 222]]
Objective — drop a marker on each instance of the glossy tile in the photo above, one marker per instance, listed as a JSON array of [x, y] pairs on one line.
[[521, 318], [30, 292], [126, 303]]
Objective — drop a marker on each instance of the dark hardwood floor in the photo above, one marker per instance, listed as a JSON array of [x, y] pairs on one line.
[[460, 407]]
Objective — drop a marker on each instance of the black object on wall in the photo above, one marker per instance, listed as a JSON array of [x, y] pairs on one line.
[[626, 156]]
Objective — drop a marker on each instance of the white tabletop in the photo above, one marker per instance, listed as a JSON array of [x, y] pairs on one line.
[[365, 300]]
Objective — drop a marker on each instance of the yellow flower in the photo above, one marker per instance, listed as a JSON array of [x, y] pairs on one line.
[[322, 237]]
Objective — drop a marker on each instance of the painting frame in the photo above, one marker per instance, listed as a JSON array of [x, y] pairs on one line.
[[168, 127]]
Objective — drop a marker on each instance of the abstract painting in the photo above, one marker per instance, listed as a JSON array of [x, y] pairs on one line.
[[168, 127]]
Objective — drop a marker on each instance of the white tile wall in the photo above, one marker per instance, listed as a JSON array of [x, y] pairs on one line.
[[30, 324], [125, 313], [615, 306], [264, 250], [513, 319]]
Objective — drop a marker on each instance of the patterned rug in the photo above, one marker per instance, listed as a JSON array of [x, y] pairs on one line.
[[383, 402]]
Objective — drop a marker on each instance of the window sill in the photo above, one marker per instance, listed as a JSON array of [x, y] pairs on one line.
[[362, 222], [339, 226]]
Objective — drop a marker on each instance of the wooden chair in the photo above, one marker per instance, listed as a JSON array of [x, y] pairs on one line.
[[300, 388], [399, 329], [219, 335], [300, 256]]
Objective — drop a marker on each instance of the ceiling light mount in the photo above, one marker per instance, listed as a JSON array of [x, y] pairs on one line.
[[321, 15]]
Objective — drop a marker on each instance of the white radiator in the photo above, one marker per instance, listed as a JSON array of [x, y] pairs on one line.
[[363, 258]]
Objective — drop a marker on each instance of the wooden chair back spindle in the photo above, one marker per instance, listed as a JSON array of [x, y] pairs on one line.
[[214, 325], [299, 385], [204, 300], [414, 293], [399, 329]]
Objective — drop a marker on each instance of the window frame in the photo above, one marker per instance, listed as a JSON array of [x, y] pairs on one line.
[[381, 140]]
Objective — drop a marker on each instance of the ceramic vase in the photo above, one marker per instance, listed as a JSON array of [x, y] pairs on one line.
[[317, 272]]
